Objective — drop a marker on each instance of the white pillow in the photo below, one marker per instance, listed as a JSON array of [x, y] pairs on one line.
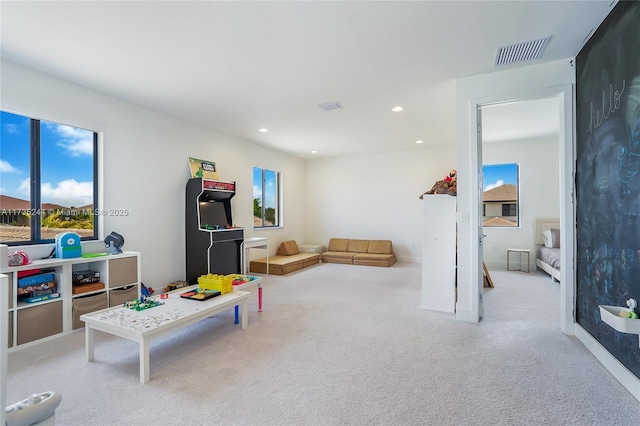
[[548, 238]]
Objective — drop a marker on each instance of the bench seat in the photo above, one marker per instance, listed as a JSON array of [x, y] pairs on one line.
[[359, 252], [283, 263]]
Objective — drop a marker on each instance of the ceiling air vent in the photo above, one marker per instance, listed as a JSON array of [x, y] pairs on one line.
[[330, 106], [521, 51]]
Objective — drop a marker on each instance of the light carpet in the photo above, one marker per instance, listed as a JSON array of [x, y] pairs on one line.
[[341, 345]]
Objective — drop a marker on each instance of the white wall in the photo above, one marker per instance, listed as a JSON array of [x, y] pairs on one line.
[[539, 187], [374, 196], [145, 166]]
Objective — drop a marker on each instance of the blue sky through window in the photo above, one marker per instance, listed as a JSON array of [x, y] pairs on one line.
[[66, 158], [270, 186], [495, 175]]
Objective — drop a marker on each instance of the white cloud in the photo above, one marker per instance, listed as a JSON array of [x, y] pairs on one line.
[[498, 183], [68, 193], [11, 128], [25, 187], [76, 141], [6, 167]]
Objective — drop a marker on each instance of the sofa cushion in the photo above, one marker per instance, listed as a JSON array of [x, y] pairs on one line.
[[380, 247], [282, 265], [338, 244], [288, 248], [347, 260], [369, 259], [311, 260], [337, 255], [358, 246]]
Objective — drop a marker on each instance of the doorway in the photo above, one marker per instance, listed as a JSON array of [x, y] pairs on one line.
[[520, 159], [531, 82], [566, 211]]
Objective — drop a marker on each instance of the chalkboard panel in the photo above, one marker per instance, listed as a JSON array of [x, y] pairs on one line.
[[608, 177]]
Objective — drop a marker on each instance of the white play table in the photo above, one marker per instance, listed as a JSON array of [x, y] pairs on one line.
[[141, 326]]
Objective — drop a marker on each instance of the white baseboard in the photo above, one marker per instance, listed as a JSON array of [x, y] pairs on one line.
[[619, 371]]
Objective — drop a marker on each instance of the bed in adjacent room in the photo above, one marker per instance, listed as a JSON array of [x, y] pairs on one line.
[[548, 246]]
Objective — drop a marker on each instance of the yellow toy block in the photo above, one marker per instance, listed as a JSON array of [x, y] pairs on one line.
[[215, 282]]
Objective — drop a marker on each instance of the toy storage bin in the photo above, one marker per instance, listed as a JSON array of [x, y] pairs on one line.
[[120, 295], [38, 322], [123, 271], [86, 304]]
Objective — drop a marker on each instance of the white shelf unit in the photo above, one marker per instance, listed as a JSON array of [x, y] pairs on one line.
[[439, 253], [29, 323]]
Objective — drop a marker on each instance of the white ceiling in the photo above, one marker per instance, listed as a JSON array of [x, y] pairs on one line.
[[238, 66]]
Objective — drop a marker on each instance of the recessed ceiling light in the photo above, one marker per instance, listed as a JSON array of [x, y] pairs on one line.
[[263, 130], [419, 141], [314, 152], [397, 108]]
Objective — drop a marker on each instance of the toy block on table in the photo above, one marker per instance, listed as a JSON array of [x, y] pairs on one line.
[[237, 279], [215, 282]]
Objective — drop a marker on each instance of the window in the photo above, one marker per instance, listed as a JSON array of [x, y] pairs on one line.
[[266, 198], [49, 180], [500, 195], [509, 210]]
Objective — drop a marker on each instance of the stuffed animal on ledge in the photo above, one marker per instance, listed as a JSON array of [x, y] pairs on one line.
[[448, 185], [451, 177]]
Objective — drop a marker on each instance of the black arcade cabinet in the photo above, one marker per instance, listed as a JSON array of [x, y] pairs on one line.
[[212, 243]]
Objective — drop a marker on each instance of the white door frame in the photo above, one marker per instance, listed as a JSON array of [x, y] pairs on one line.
[[547, 80]]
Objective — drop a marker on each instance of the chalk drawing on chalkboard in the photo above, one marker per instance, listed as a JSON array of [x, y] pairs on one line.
[[627, 168]]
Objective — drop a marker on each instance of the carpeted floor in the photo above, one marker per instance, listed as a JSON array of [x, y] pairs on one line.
[[342, 345]]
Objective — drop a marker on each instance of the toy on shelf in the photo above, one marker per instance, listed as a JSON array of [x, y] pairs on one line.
[[114, 243], [448, 185], [67, 245], [632, 304], [18, 258]]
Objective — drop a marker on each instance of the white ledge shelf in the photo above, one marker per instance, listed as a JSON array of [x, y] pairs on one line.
[[611, 315]]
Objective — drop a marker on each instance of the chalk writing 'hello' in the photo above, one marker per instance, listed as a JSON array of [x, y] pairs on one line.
[[597, 117]]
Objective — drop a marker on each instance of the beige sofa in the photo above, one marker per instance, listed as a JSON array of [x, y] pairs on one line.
[[288, 259], [359, 252]]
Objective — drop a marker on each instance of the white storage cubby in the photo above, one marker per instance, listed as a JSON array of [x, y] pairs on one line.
[[33, 322], [439, 253]]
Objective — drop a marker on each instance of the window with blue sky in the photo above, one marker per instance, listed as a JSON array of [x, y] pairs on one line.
[[53, 181], [500, 195], [265, 198], [496, 175]]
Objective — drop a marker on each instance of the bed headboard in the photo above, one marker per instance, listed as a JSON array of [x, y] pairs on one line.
[[543, 225]]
